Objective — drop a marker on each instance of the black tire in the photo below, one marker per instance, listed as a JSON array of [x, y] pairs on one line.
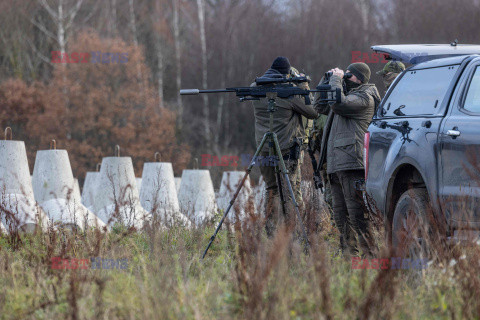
[[410, 226]]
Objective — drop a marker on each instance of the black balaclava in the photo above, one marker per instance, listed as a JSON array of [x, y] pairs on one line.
[[349, 84]]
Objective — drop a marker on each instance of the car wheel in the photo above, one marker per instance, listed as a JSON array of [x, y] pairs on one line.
[[410, 228]]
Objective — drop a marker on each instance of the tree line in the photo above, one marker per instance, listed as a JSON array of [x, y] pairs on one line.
[[173, 44]]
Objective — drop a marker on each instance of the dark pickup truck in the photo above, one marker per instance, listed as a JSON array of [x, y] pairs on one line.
[[422, 149]]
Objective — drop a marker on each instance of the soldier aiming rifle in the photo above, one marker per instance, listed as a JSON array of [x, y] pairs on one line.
[[279, 103]]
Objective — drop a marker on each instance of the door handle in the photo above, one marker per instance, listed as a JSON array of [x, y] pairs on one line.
[[453, 133]]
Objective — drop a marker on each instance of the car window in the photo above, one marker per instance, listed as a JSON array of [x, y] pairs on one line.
[[472, 100], [419, 92]]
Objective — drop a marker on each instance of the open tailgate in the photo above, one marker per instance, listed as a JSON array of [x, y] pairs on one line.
[[416, 53]]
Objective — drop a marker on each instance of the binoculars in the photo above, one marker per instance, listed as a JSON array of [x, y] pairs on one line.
[[347, 75]]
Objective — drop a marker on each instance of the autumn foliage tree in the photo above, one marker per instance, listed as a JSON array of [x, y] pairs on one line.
[[21, 105], [18, 102], [88, 108]]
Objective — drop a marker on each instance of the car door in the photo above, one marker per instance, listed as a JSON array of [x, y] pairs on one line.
[[405, 130], [459, 143]]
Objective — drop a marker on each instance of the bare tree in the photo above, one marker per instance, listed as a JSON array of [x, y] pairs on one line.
[[365, 9], [133, 24], [158, 22], [203, 43], [63, 14], [112, 17], [178, 58], [160, 72]]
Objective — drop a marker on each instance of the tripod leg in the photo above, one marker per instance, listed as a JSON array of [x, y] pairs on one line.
[[290, 189], [280, 191], [247, 172]]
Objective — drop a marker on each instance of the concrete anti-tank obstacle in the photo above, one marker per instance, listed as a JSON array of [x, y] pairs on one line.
[[76, 191], [158, 194], [89, 188], [77, 196], [116, 198], [139, 184], [196, 195], [244, 202], [18, 209], [56, 191], [205, 206], [54, 188], [178, 181]]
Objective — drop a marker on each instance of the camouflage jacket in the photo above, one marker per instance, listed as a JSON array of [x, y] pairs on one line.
[[287, 119], [346, 125]]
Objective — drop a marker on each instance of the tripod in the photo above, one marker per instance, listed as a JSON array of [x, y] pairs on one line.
[[280, 168]]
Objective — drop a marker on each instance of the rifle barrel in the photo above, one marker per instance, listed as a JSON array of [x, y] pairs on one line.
[[185, 92], [320, 90]]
